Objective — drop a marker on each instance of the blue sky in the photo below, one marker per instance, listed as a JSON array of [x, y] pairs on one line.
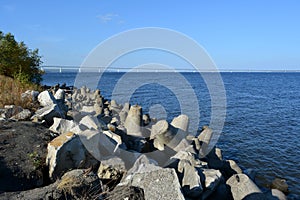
[[248, 34]]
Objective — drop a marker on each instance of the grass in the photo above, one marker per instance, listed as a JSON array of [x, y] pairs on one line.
[[11, 90]]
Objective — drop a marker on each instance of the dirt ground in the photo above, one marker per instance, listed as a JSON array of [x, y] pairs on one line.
[[23, 150]]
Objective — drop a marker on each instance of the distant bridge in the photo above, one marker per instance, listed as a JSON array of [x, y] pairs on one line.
[[76, 69]]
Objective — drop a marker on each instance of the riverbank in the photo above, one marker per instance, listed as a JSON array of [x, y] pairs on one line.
[[115, 143]]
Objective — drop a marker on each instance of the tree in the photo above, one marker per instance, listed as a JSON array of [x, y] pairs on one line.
[[18, 61]]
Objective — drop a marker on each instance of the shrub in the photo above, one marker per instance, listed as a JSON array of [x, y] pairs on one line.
[[18, 61], [11, 90]]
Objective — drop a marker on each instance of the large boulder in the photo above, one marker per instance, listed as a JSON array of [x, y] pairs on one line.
[[48, 113], [157, 182], [46, 98], [242, 186], [204, 141], [134, 121], [61, 126], [66, 152], [181, 122], [25, 114]]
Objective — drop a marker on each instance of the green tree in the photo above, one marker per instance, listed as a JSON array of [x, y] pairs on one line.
[[18, 61]]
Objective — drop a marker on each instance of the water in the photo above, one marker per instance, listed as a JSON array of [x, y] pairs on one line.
[[262, 125]]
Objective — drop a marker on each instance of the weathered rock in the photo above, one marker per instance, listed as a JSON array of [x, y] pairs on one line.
[[91, 122], [25, 114], [124, 112], [278, 194], [80, 184], [112, 169], [114, 106], [181, 122], [234, 166], [133, 121], [48, 113], [30, 94], [61, 126], [46, 99], [146, 119], [126, 192], [212, 178], [242, 186], [11, 110], [280, 184], [191, 181], [157, 183], [204, 140], [60, 95], [164, 134], [65, 152], [88, 110]]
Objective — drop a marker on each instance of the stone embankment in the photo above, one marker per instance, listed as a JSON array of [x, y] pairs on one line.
[[97, 149]]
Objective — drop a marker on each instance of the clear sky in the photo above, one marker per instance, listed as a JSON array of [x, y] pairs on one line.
[[241, 34]]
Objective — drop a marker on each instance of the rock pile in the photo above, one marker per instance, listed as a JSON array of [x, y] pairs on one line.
[[106, 150]]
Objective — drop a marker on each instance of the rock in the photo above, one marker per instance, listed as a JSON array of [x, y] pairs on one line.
[[65, 152], [204, 140], [114, 106], [160, 184], [215, 159], [164, 134], [124, 112], [191, 181], [112, 169], [220, 193], [46, 99], [212, 178], [126, 192], [181, 122], [234, 166], [280, 184], [61, 126], [88, 110], [80, 184], [30, 94], [48, 113], [11, 110], [146, 119], [133, 121], [24, 115], [91, 122], [60, 95], [278, 194], [116, 138], [242, 186]]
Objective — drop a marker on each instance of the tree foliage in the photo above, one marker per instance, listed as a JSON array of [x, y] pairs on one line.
[[18, 61]]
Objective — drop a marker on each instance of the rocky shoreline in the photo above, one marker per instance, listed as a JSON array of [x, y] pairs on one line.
[[78, 145]]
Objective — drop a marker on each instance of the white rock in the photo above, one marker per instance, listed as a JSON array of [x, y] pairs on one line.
[[60, 95], [65, 152], [46, 98], [133, 121], [49, 112], [91, 122], [241, 186], [61, 126], [212, 178], [181, 122]]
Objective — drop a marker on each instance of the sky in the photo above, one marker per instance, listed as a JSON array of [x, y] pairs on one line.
[[238, 35]]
